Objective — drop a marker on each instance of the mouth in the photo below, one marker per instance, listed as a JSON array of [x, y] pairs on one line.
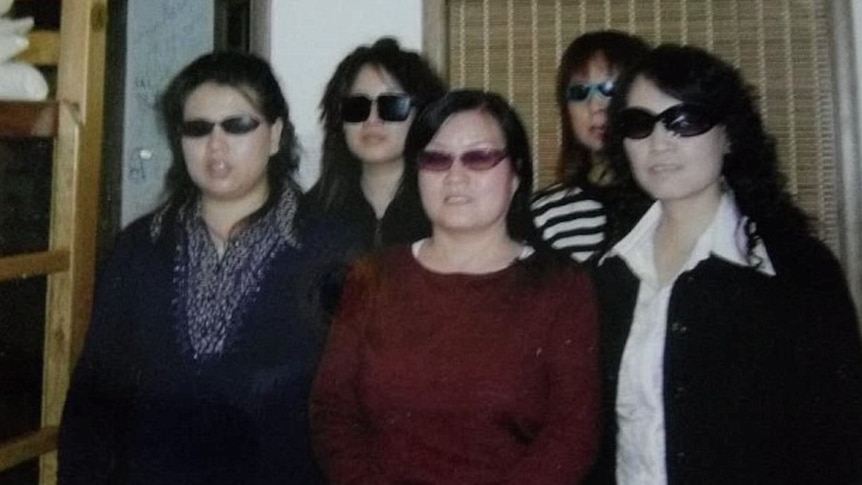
[[456, 199], [218, 168], [663, 168]]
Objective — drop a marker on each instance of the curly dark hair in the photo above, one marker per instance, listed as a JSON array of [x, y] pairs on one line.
[[254, 79], [340, 169], [750, 168], [621, 51]]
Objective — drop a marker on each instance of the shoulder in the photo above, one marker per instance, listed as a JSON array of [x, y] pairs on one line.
[[567, 198]]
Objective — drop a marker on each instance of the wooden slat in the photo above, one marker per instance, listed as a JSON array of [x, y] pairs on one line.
[[26, 265], [30, 446], [44, 48], [21, 119]]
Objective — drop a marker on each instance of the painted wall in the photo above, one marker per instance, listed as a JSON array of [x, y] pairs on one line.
[[309, 38]]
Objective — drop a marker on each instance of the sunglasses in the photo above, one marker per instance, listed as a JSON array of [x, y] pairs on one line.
[[472, 159], [578, 93], [390, 107], [682, 120], [234, 125]]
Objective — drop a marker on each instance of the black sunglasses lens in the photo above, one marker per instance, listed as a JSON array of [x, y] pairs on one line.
[[577, 92], [355, 109], [636, 124], [196, 128], [239, 125], [394, 107], [434, 161], [687, 120]]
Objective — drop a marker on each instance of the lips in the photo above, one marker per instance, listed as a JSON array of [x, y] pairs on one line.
[[456, 199], [218, 168]]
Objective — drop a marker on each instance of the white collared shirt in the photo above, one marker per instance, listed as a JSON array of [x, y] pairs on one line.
[[640, 401]]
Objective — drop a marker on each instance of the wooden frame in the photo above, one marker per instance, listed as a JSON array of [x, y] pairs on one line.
[[74, 120]]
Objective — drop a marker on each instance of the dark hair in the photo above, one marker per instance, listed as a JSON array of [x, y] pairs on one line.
[[621, 51], [750, 168], [519, 222], [251, 76], [340, 169]]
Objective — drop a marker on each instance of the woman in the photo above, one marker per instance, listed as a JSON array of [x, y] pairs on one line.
[[571, 214], [366, 110], [200, 354], [468, 356], [730, 344]]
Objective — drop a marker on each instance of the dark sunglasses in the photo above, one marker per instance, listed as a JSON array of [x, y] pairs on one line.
[[472, 159], [390, 107], [234, 125], [578, 93], [681, 120]]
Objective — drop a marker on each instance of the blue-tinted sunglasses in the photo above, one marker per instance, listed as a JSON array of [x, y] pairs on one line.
[[578, 93]]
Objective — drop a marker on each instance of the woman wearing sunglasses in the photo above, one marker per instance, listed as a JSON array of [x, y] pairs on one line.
[[202, 348], [571, 214], [731, 348], [468, 356], [366, 110]]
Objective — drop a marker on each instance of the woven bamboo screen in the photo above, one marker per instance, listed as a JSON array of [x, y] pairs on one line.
[[781, 46]]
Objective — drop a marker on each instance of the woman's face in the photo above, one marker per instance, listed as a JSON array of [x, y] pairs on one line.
[[589, 116], [461, 199], [668, 166], [375, 141], [227, 143]]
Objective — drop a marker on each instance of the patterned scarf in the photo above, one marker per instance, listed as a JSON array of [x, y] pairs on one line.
[[212, 292]]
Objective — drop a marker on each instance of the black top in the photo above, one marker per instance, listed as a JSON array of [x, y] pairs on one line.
[[762, 375]]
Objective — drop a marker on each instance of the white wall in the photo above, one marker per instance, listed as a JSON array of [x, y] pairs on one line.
[[308, 38]]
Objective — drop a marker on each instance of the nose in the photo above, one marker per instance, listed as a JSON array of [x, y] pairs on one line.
[[661, 137], [217, 139], [596, 103], [373, 115], [457, 172]]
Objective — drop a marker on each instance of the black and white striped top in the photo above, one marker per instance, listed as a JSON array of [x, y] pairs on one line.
[[570, 220]]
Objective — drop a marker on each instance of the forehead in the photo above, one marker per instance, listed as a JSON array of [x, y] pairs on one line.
[[597, 68], [374, 79], [643, 93], [467, 128], [214, 99]]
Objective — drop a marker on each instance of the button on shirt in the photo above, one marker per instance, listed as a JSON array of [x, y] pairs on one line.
[[640, 400]]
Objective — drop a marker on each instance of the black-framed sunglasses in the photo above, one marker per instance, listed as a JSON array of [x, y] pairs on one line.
[[233, 125], [681, 120], [390, 107], [479, 159], [578, 93]]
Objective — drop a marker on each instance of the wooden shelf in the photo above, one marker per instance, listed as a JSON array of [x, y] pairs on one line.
[[28, 447], [44, 48], [22, 119]]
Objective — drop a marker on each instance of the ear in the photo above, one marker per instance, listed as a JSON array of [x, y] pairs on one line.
[[275, 136]]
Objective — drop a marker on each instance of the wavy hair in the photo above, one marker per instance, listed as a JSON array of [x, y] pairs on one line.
[[750, 168], [621, 50], [254, 79], [340, 168]]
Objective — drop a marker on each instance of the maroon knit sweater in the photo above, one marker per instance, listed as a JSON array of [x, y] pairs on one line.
[[435, 378]]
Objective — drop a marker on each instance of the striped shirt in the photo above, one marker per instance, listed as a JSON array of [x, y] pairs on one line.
[[570, 220]]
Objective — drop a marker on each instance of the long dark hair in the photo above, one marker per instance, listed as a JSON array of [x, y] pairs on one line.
[[251, 76], [621, 50], [340, 169], [750, 168]]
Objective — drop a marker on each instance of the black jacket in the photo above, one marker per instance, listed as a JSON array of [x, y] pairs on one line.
[[763, 375]]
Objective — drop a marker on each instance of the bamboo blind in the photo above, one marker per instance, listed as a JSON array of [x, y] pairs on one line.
[[781, 46]]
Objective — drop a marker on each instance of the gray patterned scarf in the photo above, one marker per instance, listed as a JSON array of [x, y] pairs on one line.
[[212, 292]]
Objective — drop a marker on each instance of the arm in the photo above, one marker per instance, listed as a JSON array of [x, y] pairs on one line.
[[338, 425], [564, 450], [90, 442], [829, 363]]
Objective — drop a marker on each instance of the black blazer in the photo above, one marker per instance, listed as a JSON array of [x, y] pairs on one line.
[[763, 375]]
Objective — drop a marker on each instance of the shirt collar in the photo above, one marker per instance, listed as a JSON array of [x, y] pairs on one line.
[[724, 238]]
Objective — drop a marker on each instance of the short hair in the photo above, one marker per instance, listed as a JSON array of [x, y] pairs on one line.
[[254, 79], [750, 168], [340, 168], [519, 222], [621, 50]]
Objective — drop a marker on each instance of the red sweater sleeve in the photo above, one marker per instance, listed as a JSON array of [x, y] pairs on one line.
[[338, 427], [564, 450]]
